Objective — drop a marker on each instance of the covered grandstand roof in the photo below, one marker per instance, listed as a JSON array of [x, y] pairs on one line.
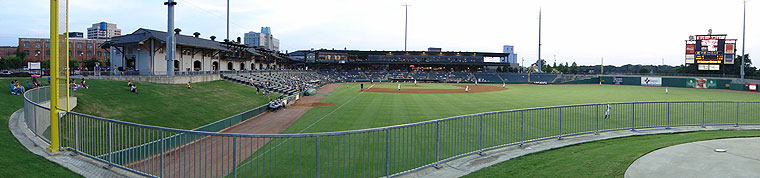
[[143, 34], [443, 53]]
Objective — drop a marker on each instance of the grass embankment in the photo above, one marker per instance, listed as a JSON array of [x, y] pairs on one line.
[[606, 158], [172, 106], [15, 160]]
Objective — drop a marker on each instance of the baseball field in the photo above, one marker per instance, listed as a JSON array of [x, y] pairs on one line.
[[359, 154], [383, 104]]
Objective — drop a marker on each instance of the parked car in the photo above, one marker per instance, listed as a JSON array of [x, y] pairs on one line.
[[5, 72]]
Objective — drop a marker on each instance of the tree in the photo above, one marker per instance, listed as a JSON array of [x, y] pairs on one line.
[[20, 54], [644, 71], [73, 63], [90, 64], [46, 64], [574, 68], [12, 62]]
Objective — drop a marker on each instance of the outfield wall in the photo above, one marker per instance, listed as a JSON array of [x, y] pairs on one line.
[[684, 82]]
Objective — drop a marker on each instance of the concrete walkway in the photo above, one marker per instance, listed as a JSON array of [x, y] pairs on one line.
[[78, 164], [699, 159], [468, 164]]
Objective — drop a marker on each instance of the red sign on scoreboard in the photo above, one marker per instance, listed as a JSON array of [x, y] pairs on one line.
[[729, 48], [752, 87], [690, 48]]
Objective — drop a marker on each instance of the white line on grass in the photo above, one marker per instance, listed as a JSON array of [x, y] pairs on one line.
[[288, 139], [336, 109]]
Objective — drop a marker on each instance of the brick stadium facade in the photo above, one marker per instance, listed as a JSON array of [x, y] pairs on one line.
[[38, 49], [7, 51]]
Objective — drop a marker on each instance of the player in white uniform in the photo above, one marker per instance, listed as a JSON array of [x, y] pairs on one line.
[[399, 87], [666, 90], [607, 114], [467, 89], [504, 85]]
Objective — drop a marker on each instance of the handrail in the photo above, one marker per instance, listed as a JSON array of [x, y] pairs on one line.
[[377, 128]]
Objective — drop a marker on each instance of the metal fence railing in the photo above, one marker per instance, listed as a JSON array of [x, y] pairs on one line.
[[375, 152]]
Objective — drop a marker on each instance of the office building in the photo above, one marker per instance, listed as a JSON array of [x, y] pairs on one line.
[[103, 30], [512, 58], [265, 39]]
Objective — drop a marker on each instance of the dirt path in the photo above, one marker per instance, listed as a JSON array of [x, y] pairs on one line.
[[213, 156], [473, 89]]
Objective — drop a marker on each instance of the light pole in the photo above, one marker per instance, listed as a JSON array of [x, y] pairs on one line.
[[744, 32], [540, 64], [406, 22], [171, 43]]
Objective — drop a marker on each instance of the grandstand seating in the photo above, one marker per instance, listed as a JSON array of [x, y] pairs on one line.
[[283, 82]]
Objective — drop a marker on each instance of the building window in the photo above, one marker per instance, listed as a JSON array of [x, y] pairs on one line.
[[89, 53], [79, 45], [47, 44], [79, 53], [71, 45], [26, 44], [89, 45], [37, 44], [47, 52], [70, 54], [100, 54], [26, 52]]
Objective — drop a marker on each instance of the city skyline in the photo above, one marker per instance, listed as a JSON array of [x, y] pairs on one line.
[[641, 32]]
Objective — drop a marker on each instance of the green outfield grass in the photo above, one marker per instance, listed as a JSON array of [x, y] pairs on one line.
[[172, 106], [355, 110], [606, 158], [411, 147], [15, 160]]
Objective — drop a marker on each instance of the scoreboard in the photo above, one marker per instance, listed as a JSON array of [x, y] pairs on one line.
[[710, 52]]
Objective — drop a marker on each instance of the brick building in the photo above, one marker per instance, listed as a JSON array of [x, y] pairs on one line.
[[6, 51], [38, 49]]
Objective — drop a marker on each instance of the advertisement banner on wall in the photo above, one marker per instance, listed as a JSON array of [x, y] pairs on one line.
[[617, 80], [651, 81], [697, 83], [711, 83]]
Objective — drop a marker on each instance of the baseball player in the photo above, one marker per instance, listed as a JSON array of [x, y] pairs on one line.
[[666, 90], [399, 87], [607, 114], [467, 89]]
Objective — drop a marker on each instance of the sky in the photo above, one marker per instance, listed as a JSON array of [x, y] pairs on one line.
[[582, 31]]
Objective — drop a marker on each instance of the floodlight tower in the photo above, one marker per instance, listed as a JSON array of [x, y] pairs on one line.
[[171, 43], [744, 31], [539, 41], [406, 22]]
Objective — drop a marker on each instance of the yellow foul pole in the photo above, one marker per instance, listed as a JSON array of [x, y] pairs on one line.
[[58, 69]]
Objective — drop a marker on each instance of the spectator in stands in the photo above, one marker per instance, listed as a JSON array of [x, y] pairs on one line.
[[133, 88], [83, 84], [272, 106], [73, 85], [16, 88]]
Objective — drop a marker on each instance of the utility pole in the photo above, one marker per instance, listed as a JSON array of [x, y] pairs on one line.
[[744, 32], [406, 22], [228, 19], [540, 65], [171, 43], [602, 66]]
